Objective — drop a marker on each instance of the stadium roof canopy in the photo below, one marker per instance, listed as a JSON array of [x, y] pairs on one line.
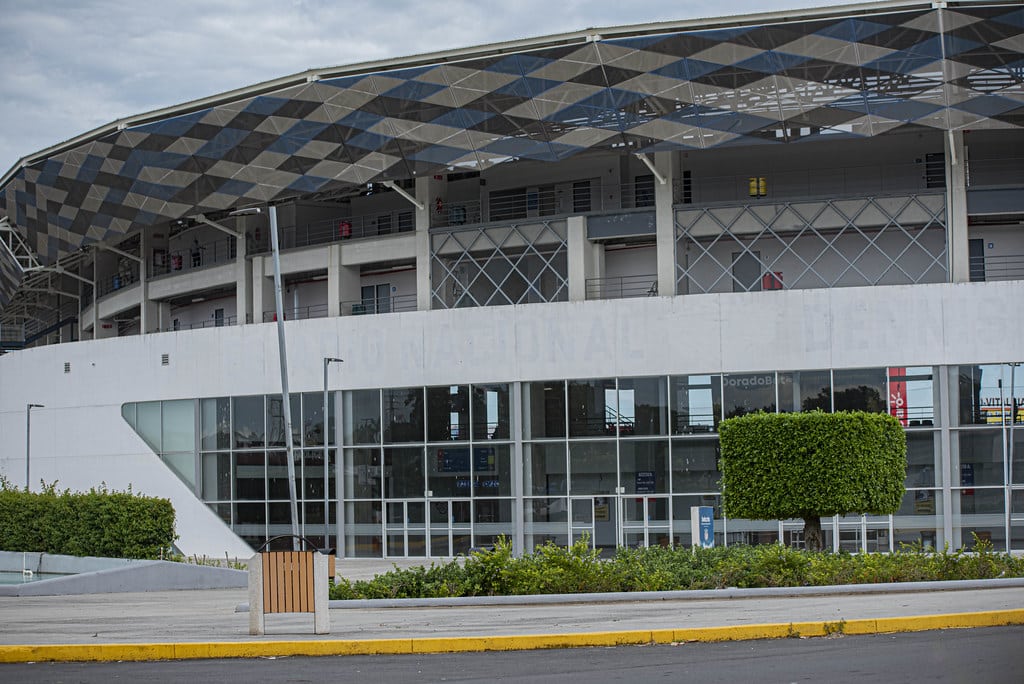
[[779, 78]]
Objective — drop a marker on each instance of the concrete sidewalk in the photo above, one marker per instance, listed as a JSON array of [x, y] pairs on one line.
[[204, 623]]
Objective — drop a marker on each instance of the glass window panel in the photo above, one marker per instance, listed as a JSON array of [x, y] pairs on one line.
[[403, 473], [981, 398], [251, 514], [448, 471], [128, 413], [313, 474], [362, 474], [924, 461], [695, 465], [248, 417], [593, 408], [644, 466], [748, 393], [448, 413], [645, 402], [250, 475], [1017, 462], [982, 513], [179, 425], [403, 414], [544, 410], [911, 396], [492, 470], [544, 469], [275, 420], [217, 477], [696, 403], [277, 475], [362, 417], [977, 458], [491, 412], [918, 518], [592, 468], [183, 464], [313, 417], [215, 417], [492, 511], [148, 423], [860, 390], [805, 391]]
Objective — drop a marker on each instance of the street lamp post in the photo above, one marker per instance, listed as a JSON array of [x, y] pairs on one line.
[[327, 491], [282, 352], [28, 444]]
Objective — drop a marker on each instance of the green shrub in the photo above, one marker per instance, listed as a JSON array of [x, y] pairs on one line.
[[812, 465], [99, 522], [579, 569]]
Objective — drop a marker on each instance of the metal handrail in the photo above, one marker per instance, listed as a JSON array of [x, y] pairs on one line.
[[622, 287], [379, 305], [127, 275], [214, 323], [298, 313], [1000, 267], [195, 256]]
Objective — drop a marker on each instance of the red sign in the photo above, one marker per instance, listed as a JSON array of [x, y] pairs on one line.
[[898, 394]]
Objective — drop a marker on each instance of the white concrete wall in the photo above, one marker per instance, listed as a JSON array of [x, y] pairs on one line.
[[81, 440]]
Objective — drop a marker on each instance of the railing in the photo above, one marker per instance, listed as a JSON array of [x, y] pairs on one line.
[[198, 255], [456, 214], [621, 287], [12, 332], [337, 229], [1003, 267], [126, 276], [211, 323], [379, 305], [809, 183], [298, 314]]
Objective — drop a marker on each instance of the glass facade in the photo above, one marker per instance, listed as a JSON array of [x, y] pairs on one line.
[[435, 471]]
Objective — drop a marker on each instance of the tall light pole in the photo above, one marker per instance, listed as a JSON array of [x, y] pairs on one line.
[[28, 444], [327, 490], [282, 352]]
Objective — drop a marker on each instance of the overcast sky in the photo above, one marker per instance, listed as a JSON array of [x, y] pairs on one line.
[[68, 66]]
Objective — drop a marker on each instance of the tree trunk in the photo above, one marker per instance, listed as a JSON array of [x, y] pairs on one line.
[[813, 538]]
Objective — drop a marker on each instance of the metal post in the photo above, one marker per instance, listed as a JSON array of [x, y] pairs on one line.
[[285, 396], [327, 491], [28, 444]]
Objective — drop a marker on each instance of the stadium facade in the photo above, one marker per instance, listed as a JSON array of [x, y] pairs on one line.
[[550, 267]]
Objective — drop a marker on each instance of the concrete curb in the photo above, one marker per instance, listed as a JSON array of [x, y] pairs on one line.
[[325, 647], [684, 595]]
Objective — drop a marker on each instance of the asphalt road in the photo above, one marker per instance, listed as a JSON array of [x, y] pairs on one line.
[[991, 655]]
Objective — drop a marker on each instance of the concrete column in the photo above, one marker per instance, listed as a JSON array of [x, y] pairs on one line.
[[262, 288], [956, 208], [243, 282], [428, 189], [149, 311], [334, 297], [586, 260], [346, 287], [666, 163]]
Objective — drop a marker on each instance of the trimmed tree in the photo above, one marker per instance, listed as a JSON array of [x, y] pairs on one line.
[[808, 465]]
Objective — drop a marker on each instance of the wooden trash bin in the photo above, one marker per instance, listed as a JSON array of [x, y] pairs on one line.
[[289, 582]]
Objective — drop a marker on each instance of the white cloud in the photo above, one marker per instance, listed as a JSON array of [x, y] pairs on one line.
[[71, 66]]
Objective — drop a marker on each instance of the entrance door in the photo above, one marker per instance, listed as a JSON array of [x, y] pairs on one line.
[[405, 529], [451, 529], [645, 521]]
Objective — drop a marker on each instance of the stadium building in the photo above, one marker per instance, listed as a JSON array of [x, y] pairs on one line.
[[550, 267]]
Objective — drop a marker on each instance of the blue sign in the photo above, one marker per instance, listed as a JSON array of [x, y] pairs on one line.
[[706, 526], [645, 482]]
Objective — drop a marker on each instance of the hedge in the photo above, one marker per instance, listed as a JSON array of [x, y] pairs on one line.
[[99, 522], [797, 465]]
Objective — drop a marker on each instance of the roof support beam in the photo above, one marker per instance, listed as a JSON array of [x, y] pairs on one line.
[[16, 245], [412, 200], [650, 165], [213, 224], [120, 252], [62, 271]]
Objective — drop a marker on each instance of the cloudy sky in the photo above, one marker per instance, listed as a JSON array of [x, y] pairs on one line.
[[68, 66]]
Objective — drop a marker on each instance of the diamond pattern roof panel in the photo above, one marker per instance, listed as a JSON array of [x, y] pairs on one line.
[[893, 69]]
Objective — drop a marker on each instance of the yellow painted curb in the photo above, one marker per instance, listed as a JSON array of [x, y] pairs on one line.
[[322, 647]]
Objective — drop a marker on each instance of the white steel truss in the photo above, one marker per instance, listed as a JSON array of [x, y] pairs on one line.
[[495, 265], [830, 243]]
